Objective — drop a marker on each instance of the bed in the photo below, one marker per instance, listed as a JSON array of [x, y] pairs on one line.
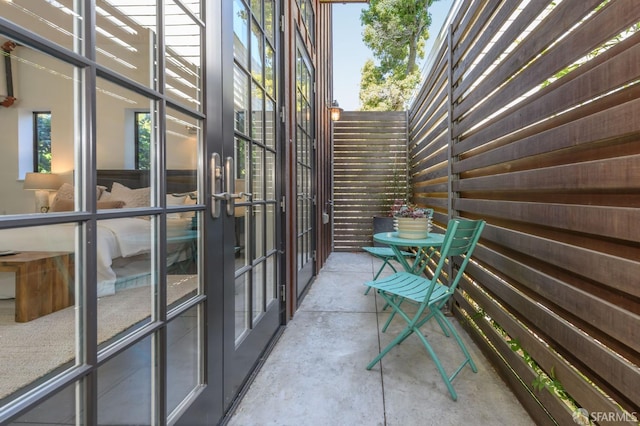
[[123, 244]]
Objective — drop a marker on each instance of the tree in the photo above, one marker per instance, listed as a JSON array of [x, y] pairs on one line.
[[395, 31]]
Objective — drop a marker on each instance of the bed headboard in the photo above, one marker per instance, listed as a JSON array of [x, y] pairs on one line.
[[177, 180]]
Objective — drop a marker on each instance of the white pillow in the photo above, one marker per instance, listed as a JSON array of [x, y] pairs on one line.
[[173, 200], [190, 201], [132, 198]]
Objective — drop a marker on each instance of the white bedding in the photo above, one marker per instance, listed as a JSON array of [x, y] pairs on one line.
[[121, 239]]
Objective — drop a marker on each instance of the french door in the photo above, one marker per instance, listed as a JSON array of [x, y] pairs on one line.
[[305, 153], [251, 302]]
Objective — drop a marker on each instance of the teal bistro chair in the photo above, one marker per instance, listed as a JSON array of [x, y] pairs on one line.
[[431, 295], [386, 254]]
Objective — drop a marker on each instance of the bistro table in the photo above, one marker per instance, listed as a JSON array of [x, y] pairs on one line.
[[422, 246]]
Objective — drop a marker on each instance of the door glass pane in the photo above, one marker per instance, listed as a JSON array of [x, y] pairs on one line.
[[126, 38], [47, 91], [241, 100], [183, 354], [271, 289], [38, 322], [270, 124], [60, 409], [258, 241], [241, 305], [118, 142], [183, 37], [257, 113], [124, 387], [270, 175], [269, 71], [240, 33], [270, 230], [257, 172], [54, 21], [126, 277], [269, 18], [257, 64], [258, 290]]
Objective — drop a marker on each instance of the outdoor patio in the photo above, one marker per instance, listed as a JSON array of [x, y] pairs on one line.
[[316, 373]]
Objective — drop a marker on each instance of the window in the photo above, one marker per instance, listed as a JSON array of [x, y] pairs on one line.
[[142, 139], [42, 141]]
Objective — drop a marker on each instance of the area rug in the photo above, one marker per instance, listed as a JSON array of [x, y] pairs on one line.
[[31, 350]]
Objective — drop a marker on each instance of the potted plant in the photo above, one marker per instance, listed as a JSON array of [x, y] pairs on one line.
[[412, 221]]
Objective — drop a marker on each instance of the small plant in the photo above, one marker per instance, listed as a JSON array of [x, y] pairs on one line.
[[402, 209]]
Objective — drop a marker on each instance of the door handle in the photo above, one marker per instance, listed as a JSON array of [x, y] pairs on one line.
[[216, 185]]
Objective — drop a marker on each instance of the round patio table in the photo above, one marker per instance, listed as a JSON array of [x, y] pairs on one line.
[[424, 248]]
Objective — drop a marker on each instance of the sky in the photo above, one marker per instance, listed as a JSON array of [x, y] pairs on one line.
[[350, 52]]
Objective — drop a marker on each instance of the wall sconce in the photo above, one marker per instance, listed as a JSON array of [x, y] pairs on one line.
[[42, 183], [335, 111]]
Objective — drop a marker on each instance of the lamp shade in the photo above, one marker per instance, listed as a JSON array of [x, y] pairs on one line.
[[335, 111], [42, 181]]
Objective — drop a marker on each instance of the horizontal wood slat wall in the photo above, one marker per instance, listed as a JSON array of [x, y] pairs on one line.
[[369, 147], [540, 136]]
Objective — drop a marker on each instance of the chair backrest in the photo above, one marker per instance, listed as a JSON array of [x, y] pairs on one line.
[[460, 239]]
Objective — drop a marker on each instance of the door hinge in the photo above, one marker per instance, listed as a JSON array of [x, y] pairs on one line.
[[283, 293], [283, 205], [314, 255], [283, 114], [282, 23]]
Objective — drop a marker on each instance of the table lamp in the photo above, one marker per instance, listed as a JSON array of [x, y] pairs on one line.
[[42, 183]]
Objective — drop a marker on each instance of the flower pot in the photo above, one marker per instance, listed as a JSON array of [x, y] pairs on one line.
[[413, 228]]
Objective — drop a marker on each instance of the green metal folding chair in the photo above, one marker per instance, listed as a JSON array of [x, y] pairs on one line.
[[386, 254], [460, 239]]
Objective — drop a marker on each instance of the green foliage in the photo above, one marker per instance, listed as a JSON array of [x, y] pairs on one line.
[[395, 31], [143, 121], [43, 141]]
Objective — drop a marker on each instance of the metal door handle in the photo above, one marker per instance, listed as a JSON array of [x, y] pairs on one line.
[[216, 185]]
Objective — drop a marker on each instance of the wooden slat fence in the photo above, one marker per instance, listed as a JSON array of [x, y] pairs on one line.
[[370, 153], [540, 136]]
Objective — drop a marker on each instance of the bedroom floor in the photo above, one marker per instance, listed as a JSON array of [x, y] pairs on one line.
[[316, 373]]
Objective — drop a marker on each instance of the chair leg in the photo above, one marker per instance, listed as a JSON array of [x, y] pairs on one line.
[[385, 263], [439, 366], [407, 331]]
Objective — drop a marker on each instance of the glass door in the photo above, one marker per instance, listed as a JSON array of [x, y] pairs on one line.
[[305, 152], [251, 315]]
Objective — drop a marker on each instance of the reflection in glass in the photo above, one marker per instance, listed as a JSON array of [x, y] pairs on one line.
[[257, 173], [116, 143], [183, 368], [241, 33], [258, 240], [182, 255], [241, 304], [183, 136], [126, 278], [270, 175], [125, 381], [126, 39], [182, 55], [269, 71], [256, 53], [270, 124], [37, 312], [45, 114], [258, 290], [269, 18], [55, 22], [271, 289], [257, 113], [60, 409], [240, 100]]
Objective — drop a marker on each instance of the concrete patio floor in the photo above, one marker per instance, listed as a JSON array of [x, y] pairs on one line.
[[316, 373]]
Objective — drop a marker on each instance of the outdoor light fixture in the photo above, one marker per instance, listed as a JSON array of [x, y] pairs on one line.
[[42, 183], [335, 111]]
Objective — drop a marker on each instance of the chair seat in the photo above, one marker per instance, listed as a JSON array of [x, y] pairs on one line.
[[385, 252], [410, 286]]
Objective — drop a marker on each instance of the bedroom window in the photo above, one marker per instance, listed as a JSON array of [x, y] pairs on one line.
[[142, 139], [42, 141]]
